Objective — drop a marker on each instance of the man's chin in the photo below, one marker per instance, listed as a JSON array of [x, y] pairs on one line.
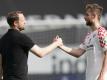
[[89, 24], [21, 29]]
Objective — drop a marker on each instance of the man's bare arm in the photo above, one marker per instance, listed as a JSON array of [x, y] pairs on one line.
[[76, 52], [40, 52]]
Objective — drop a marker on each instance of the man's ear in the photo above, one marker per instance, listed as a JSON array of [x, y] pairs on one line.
[[15, 23]]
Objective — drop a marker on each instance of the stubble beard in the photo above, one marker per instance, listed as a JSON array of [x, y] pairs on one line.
[[89, 23], [21, 29]]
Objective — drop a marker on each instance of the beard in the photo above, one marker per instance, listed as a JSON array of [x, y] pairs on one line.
[[89, 23], [21, 29]]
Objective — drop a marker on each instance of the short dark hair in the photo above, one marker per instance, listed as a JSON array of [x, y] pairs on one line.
[[13, 16], [95, 8]]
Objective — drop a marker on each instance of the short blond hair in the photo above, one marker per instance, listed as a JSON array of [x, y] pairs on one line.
[[95, 8]]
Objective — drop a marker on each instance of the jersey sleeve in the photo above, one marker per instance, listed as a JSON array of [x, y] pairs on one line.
[[102, 35], [25, 42], [82, 46], [84, 43]]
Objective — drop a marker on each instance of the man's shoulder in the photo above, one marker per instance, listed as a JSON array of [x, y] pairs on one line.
[[18, 34], [102, 32], [102, 29], [102, 36]]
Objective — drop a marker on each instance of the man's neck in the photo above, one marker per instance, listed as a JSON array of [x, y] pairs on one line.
[[15, 28], [95, 26]]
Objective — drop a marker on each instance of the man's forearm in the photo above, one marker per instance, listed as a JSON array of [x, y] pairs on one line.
[[76, 52], [65, 48]]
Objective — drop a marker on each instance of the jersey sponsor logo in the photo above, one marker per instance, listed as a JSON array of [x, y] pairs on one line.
[[89, 46]]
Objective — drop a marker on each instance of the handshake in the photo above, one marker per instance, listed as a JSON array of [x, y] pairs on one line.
[[58, 41]]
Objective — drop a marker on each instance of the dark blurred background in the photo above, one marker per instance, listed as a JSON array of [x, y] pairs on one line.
[[42, 7]]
